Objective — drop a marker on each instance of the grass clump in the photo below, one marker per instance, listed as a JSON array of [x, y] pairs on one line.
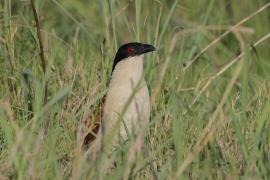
[[209, 85]]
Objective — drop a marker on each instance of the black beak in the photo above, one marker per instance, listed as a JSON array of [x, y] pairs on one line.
[[148, 48]]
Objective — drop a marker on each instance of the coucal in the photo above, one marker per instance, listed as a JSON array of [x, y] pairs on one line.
[[127, 103]]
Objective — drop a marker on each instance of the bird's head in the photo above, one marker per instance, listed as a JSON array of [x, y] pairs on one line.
[[130, 50]]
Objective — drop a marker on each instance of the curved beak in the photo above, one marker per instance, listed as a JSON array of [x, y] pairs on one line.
[[148, 48]]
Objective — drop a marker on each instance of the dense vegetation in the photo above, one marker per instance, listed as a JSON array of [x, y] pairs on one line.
[[210, 110]]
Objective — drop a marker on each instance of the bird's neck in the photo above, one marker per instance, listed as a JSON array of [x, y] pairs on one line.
[[128, 71]]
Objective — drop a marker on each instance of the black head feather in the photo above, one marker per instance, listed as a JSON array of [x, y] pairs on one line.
[[130, 50]]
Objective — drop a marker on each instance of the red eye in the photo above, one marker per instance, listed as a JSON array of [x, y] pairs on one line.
[[130, 50]]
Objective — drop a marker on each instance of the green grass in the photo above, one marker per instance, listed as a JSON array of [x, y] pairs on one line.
[[198, 130]]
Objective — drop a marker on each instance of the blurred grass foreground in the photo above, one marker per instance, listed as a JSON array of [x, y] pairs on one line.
[[209, 84]]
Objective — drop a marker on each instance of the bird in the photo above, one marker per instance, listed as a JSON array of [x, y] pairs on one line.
[[126, 74], [127, 103], [125, 111]]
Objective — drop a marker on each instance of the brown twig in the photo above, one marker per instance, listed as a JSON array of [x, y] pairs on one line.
[[198, 28], [41, 53]]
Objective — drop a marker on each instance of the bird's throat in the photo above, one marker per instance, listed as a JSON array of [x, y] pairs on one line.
[[128, 72]]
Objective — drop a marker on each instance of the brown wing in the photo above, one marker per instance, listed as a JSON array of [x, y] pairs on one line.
[[90, 125]]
